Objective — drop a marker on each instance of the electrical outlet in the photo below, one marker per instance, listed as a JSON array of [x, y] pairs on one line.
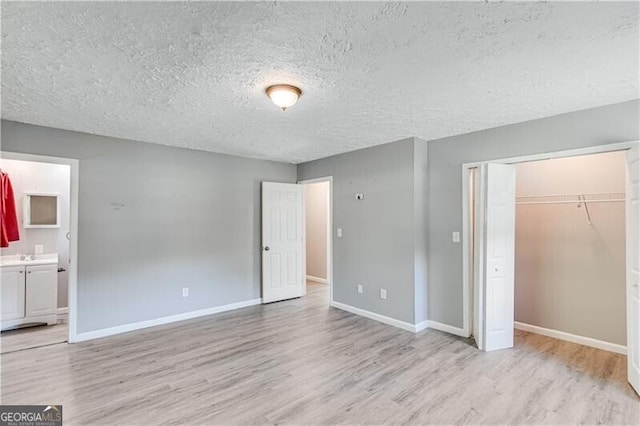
[[39, 249], [383, 293], [185, 292], [360, 288]]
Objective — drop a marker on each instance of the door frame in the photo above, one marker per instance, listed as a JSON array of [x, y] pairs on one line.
[[329, 231], [72, 285], [467, 290]]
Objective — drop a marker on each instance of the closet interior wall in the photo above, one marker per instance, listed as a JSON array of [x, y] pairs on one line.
[[570, 253]]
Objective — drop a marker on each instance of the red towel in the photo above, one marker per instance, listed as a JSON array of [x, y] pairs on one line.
[[8, 218]]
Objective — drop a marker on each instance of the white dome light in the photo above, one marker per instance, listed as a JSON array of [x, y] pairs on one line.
[[283, 95]]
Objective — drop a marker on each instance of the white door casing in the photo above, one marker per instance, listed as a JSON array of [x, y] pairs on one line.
[[477, 230], [282, 241], [498, 257], [633, 266]]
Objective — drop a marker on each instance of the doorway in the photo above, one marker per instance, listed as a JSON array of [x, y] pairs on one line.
[[568, 243], [39, 265], [284, 241], [317, 236]]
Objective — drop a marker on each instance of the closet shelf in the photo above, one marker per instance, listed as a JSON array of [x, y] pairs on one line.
[[612, 197]]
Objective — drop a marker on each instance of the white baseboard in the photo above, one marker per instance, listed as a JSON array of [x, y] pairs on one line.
[[62, 311], [377, 317], [421, 326], [587, 341], [447, 328], [89, 335], [317, 279]]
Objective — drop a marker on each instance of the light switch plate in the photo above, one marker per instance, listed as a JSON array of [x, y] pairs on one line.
[[39, 249], [185, 292], [360, 288], [359, 196], [455, 236], [339, 232], [383, 293]]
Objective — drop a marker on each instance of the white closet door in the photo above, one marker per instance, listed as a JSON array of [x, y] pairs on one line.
[[282, 241], [633, 267], [499, 255]]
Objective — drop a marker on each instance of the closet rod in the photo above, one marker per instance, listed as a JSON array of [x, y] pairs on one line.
[[612, 200]]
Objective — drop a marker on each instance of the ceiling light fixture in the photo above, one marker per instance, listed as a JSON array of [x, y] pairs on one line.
[[283, 95]]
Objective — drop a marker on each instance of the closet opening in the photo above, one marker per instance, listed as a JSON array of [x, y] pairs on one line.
[[570, 276], [552, 248]]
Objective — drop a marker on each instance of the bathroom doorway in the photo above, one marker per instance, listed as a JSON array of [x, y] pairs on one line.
[[39, 262]]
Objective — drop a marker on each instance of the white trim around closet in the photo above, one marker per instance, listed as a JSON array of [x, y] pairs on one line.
[[467, 296]]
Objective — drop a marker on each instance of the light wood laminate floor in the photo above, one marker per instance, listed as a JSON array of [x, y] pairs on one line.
[[33, 337], [301, 362]]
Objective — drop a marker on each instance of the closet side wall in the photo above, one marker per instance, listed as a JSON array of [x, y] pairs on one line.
[[570, 275]]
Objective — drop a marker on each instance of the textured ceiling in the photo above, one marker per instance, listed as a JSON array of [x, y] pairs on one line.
[[193, 74]]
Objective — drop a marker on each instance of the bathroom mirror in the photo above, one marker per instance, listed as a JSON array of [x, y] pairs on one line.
[[41, 211]]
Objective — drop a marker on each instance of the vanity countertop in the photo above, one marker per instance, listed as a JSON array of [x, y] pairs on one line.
[[38, 259]]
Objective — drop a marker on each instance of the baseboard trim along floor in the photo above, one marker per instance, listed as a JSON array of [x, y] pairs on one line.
[[414, 328], [377, 317], [96, 334], [317, 279], [587, 341], [457, 331]]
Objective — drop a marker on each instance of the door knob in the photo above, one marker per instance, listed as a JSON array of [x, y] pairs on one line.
[[266, 248]]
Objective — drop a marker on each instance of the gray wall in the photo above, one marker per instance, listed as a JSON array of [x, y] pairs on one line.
[[570, 275], [598, 126], [154, 219], [420, 230], [191, 219], [316, 204], [377, 246]]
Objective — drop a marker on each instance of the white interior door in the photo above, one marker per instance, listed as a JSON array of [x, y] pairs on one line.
[[282, 241], [498, 259], [633, 267]]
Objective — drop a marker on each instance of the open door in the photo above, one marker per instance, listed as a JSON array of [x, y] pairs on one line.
[[633, 267], [282, 241], [497, 257]]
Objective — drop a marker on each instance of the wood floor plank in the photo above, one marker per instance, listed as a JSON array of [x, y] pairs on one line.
[[301, 362], [33, 337]]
